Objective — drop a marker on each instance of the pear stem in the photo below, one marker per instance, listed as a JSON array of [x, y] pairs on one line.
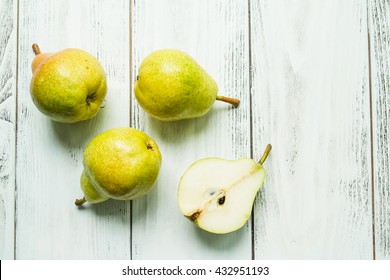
[[235, 102], [36, 49], [265, 154], [80, 201]]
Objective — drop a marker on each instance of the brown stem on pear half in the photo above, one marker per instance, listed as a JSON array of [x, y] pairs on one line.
[[235, 102], [265, 154], [36, 49], [80, 201]]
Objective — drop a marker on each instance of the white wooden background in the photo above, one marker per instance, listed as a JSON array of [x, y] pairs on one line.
[[314, 81]]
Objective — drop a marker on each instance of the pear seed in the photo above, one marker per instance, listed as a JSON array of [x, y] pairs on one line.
[[221, 200]]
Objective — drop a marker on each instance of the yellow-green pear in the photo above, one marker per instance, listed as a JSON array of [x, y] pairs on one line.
[[68, 86], [121, 163], [172, 86], [218, 194]]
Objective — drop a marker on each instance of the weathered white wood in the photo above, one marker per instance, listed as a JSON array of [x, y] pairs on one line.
[[49, 154], [379, 15], [215, 33], [310, 97], [303, 68], [8, 49]]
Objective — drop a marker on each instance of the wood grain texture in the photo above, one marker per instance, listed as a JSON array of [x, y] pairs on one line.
[[309, 74], [310, 99], [379, 12], [49, 154], [215, 33], [8, 49]]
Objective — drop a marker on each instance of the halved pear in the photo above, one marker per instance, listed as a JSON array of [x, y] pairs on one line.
[[218, 194]]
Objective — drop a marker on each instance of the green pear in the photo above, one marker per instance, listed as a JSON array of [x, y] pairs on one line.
[[68, 86], [121, 163], [172, 86], [218, 194]]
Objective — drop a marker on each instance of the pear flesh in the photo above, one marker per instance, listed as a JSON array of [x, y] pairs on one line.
[[121, 163], [218, 194], [172, 86], [68, 86]]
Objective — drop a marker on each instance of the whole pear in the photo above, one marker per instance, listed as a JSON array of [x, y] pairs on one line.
[[121, 163], [172, 86], [68, 86]]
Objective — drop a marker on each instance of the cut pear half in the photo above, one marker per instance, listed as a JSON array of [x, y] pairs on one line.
[[218, 194]]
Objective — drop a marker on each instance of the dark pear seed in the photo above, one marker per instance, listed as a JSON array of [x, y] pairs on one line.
[[221, 200]]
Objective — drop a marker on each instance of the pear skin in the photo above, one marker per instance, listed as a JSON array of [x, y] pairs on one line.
[[121, 163], [68, 86], [91, 193], [172, 86]]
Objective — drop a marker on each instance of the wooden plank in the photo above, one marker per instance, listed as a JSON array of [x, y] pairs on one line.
[[8, 53], [310, 97], [215, 33], [49, 154], [379, 16]]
